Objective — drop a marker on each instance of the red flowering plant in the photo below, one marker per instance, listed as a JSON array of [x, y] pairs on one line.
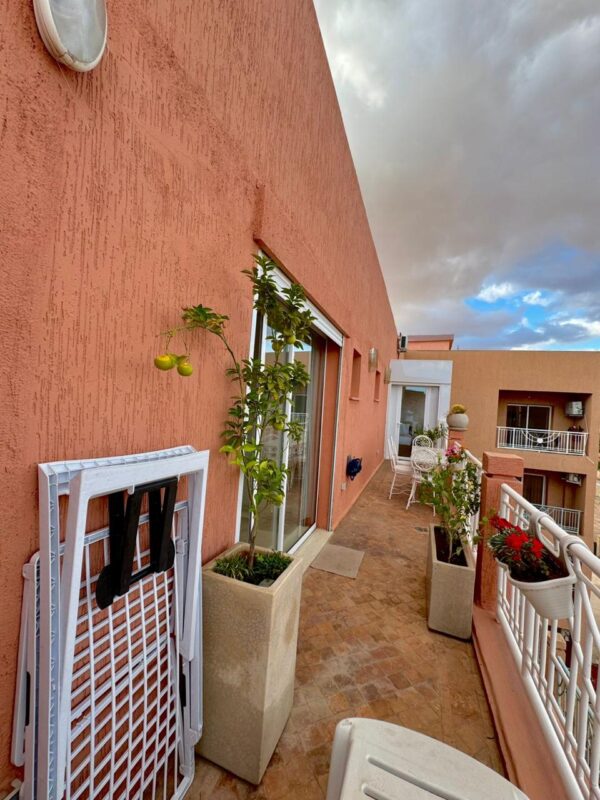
[[523, 553]]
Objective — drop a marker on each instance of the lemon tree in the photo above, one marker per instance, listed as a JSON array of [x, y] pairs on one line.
[[262, 390]]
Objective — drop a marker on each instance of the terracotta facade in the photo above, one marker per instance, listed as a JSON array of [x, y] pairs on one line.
[[208, 130]]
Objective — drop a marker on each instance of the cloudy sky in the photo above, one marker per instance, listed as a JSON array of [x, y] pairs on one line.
[[475, 130]]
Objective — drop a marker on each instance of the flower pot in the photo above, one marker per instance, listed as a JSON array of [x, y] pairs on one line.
[[449, 592], [250, 639], [458, 422], [552, 599]]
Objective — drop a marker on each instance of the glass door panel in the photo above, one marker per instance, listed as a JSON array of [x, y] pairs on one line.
[[281, 527], [533, 417], [539, 418], [412, 417], [534, 487], [303, 456], [516, 416], [268, 523]]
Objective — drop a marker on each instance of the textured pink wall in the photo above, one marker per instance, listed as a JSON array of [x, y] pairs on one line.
[[138, 188], [434, 344]]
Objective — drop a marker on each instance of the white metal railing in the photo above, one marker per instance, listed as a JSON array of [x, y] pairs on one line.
[[563, 690], [569, 442], [567, 518], [474, 521]]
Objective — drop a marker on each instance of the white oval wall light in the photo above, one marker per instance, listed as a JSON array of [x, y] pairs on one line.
[[74, 31]]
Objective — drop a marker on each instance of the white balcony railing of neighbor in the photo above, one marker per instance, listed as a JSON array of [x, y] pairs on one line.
[[567, 518], [561, 680], [565, 442]]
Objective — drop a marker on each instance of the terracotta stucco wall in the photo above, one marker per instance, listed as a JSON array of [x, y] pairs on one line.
[[478, 377], [145, 185], [433, 344]]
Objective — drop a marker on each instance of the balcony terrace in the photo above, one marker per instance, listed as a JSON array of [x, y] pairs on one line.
[[365, 650]]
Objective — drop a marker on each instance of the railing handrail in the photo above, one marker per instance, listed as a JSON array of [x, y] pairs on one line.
[[473, 459], [542, 439], [542, 430]]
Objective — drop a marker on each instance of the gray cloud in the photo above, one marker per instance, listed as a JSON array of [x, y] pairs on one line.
[[475, 129]]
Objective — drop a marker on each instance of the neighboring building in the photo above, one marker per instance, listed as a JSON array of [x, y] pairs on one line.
[[207, 131], [542, 406], [440, 341]]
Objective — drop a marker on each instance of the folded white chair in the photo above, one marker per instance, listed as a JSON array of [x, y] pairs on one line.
[[371, 758]]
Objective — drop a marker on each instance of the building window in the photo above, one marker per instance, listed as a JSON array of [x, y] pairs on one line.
[[377, 390], [355, 380], [534, 488], [528, 417]]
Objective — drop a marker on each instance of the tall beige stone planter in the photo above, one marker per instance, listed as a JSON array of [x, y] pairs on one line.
[[250, 638], [449, 592]]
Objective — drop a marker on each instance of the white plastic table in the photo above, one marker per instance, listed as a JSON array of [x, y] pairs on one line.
[[375, 759]]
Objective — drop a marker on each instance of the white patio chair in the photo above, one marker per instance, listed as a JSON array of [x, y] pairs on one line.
[[422, 441], [422, 460], [371, 758], [400, 469]]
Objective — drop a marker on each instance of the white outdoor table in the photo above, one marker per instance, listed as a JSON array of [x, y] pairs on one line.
[[375, 759]]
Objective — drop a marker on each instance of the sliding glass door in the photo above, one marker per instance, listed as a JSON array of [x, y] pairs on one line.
[[303, 456], [281, 528], [417, 412]]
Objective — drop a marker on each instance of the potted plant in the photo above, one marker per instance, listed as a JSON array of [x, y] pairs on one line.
[[546, 581], [251, 596], [455, 456], [435, 434], [450, 576], [457, 418]]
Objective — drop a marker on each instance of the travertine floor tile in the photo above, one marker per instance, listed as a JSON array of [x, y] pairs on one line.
[[364, 649]]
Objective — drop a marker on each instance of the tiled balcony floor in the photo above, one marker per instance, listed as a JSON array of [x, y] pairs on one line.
[[365, 650]]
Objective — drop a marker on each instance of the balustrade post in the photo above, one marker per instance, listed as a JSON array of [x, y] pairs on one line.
[[498, 468], [456, 435]]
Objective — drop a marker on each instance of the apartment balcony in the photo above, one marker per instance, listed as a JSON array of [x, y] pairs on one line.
[[545, 441], [567, 518], [364, 650]]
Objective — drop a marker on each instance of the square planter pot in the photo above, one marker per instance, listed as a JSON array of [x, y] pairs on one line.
[[449, 592], [250, 638]]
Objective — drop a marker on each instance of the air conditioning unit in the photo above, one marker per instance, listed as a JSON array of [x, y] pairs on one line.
[[402, 343], [573, 478], [574, 409]]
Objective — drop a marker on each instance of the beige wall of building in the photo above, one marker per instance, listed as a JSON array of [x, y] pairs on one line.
[[486, 381], [441, 341]]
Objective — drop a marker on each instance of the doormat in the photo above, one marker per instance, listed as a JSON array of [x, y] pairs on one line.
[[339, 560]]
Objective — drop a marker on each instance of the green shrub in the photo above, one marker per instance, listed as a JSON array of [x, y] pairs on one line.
[[267, 566]]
